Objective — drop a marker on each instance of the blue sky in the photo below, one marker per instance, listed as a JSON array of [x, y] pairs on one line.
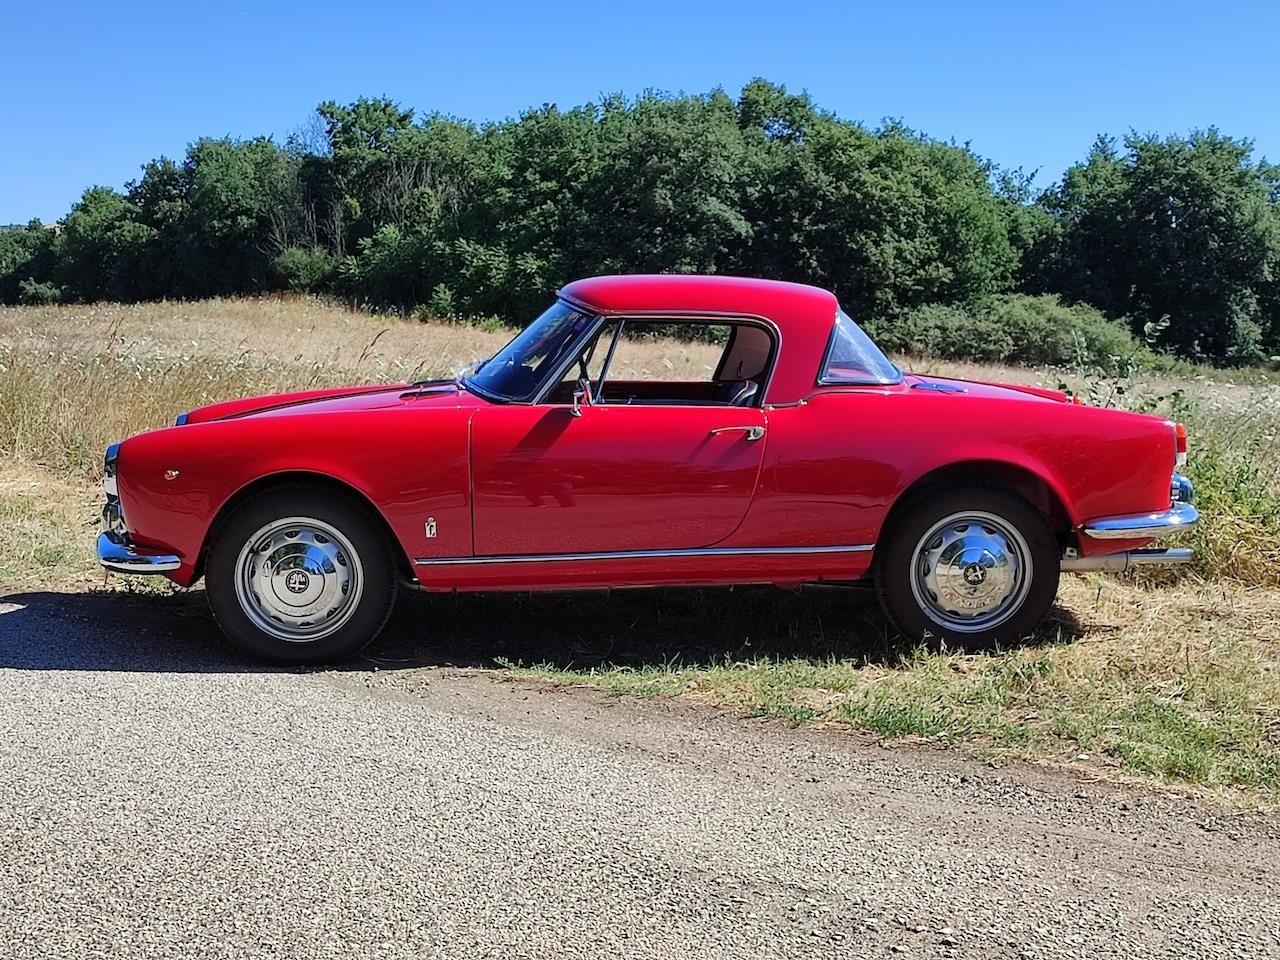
[[93, 90]]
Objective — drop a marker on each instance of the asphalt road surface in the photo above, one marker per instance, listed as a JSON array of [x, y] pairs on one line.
[[160, 797]]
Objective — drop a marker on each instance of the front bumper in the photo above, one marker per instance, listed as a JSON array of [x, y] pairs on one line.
[[115, 554], [115, 551]]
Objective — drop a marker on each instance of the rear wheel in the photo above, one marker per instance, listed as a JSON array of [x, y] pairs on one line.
[[973, 566], [300, 575]]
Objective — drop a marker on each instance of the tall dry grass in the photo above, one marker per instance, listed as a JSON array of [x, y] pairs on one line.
[[74, 379]]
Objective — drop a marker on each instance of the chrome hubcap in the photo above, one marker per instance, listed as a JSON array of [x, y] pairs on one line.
[[298, 579], [971, 571]]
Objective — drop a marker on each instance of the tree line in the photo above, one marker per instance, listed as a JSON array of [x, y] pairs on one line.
[[436, 215]]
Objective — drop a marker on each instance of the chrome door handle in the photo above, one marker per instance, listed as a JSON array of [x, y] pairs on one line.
[[753, 433]]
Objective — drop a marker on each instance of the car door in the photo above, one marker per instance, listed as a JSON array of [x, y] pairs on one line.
[[614, 477]]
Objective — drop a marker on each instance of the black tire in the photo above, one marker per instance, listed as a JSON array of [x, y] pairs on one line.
[[921, 616], [236, 597]]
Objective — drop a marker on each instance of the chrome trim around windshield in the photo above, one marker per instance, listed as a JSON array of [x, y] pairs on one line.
[[1180, 516], [647, 554], [556, 376]]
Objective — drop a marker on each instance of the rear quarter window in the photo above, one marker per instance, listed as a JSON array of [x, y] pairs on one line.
[[852, 357]]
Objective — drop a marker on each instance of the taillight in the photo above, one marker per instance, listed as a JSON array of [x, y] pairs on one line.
[[1180, 443]]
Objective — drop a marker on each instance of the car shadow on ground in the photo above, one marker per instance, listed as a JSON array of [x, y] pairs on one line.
[[115, 630]]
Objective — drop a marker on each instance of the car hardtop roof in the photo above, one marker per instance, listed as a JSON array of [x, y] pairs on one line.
[[805, 316], [777, 300]]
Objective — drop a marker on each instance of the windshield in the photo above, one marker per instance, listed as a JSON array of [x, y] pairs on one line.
[[853, 358], [517, 370]]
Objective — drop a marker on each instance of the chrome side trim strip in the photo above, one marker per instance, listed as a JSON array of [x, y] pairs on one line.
[[1180, 516], [646, 554]]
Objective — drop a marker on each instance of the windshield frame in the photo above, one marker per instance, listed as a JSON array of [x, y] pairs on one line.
[[869, 380], [571, 348]]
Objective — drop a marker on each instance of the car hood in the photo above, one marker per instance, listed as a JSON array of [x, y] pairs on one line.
[[333, 400], [949, 386]]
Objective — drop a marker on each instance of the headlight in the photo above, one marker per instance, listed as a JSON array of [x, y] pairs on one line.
[[109, 470]]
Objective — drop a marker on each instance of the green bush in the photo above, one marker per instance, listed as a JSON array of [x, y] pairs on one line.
[[1013, 329], [305, 269], [442, 303], [33, 291], [939, 330]]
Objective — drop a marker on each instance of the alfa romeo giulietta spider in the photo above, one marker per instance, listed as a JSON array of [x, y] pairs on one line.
[[798, 453]]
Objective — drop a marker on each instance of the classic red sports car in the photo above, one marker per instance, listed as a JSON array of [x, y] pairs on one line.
[[797, 453]]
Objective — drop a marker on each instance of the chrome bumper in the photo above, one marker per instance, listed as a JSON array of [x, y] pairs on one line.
[[1120, 562], [114, 550], [114, 553], [1181, 515]]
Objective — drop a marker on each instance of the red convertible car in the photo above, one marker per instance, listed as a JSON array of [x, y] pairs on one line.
[[797, 452]]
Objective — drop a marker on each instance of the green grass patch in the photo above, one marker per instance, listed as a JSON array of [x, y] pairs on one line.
[[1187, 693]]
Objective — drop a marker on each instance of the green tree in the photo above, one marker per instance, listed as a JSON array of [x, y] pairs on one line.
[[100, 247], [241, 212], [1183, 228], [26, 257], [401, 211]]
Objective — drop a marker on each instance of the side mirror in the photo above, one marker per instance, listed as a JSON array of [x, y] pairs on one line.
[[582, 396]]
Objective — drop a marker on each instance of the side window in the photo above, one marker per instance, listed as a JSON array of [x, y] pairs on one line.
[[654, 350], [688, 363]]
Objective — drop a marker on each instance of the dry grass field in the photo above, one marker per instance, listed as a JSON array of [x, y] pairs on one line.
[[1174, 679]]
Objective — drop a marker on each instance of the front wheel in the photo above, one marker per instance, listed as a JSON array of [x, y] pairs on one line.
[[973, 566], [300, 575]]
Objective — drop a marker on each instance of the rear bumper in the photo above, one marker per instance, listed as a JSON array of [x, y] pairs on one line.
[[1127, 560], [1143, 526], [1181, 515]]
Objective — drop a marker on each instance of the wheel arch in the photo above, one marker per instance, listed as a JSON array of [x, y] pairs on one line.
[[1026, 482], [323, 481]]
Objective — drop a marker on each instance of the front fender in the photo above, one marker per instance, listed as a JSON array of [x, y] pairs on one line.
[[409, 463]]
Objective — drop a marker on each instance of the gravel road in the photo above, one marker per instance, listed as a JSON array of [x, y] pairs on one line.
[[161, 798]]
